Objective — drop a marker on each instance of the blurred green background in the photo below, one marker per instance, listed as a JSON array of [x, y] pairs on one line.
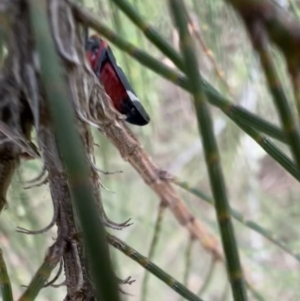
[[257, 186]]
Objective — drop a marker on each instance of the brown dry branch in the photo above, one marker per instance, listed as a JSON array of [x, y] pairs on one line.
[[112, 126]]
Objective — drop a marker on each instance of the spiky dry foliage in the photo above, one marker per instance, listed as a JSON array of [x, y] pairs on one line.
[[23, 108]]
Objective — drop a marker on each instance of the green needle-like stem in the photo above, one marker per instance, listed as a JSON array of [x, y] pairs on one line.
[[152, 268], [153, 35], [153, 245], [211, 152], [239, 217], [73, 154], [5, 286]]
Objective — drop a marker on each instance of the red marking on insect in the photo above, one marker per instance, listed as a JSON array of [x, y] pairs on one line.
[[114, 81]]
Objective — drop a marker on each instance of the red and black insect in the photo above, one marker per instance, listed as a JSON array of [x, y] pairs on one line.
[[114, 81]]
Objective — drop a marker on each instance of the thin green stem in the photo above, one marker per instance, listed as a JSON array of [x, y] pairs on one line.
[[271, 149], [73, 154], [153, 35], [152, 268], [239, 217], [40, 278], [239, 114], [284, 109], [5, 286], [188, 261], [295, 78], [208, 277], [211, 152], [153, 245]]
